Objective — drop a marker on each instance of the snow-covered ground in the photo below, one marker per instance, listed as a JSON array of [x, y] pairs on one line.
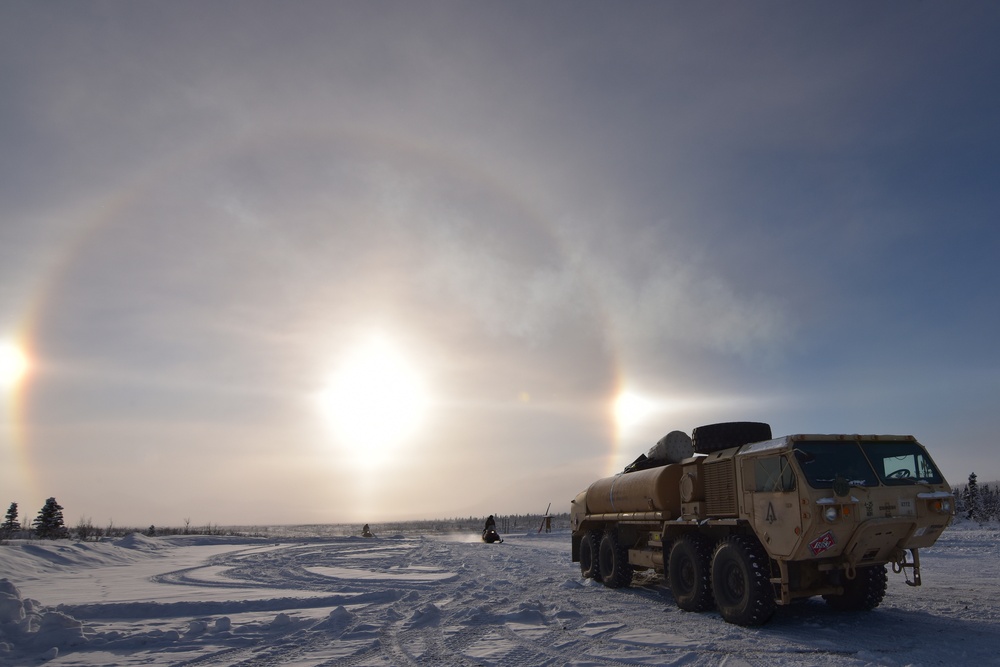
[[450, 600]]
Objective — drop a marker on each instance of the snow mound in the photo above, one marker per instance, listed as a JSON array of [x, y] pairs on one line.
[[11, 605], [25, 624], [340, 617], [139, 542], [427, 615], [528, 613]]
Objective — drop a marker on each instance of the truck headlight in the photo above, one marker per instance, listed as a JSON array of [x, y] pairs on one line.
[[831, 513]]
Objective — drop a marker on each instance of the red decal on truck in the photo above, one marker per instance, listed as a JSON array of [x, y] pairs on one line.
[[822, 543]]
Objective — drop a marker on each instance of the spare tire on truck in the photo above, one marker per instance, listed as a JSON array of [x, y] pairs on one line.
[[714, 437]]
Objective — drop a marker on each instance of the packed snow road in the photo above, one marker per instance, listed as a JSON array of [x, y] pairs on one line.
[[412, 600]]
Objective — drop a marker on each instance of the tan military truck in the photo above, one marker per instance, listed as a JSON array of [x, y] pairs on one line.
[[742, 522]]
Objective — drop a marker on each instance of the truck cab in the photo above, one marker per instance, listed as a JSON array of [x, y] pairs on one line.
[[844, 501]]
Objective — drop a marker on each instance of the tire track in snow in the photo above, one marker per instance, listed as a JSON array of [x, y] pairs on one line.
[[522, 604]]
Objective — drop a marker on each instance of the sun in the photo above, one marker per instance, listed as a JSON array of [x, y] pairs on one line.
[[631, 409], [13, 364], [375, 400]]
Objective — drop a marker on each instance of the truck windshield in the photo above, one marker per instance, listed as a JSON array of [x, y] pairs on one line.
[[901, 463], [822, 462]]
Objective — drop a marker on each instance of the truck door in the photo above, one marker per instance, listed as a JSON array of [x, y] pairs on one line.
[[775, 514]]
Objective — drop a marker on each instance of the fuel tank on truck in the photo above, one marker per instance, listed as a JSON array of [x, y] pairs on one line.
[[654, 489]]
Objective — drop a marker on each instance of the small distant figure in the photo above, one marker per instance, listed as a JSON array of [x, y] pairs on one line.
[[490, 534], [366, 531]]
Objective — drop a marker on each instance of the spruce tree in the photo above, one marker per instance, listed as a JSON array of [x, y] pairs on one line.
[[49, 523], [988, 503], [10, 523], [972, 498]]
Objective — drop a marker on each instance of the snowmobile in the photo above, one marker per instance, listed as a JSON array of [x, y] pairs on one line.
[[490, 535]]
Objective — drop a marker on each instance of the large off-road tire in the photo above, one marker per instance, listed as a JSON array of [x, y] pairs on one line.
[[590, 547], [613, 561], [714, 437], [741, 574], [688, 573], [862, 593]]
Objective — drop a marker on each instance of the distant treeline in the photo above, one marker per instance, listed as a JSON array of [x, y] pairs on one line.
[[505, 523], [978, 502], [53, 527]]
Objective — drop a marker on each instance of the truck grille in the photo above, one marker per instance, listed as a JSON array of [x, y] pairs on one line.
[[720, 488]]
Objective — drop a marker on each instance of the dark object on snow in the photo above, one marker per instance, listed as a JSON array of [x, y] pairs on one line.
[[490, 535], [366, 531]]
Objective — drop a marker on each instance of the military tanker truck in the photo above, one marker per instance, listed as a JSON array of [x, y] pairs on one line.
[[740, 521]]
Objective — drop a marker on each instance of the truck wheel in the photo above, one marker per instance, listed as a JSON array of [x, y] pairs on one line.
[[589, 549], [613, 562], [862, 593], [715, 437], [688, 573], [741, 579]]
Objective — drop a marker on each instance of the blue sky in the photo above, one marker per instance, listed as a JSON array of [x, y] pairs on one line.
[[212, 213]]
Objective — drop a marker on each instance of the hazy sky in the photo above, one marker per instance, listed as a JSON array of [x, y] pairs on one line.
[[298, 262]]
